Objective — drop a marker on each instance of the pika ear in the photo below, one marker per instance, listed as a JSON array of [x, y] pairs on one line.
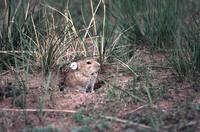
[[73, 65]]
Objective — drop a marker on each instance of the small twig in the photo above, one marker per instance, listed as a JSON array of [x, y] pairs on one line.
[[12, 69], [181, 127], [4, 73], [129, 122], [191, 123], [161, 67], [15, 51], [133, 111], [36, 110], [143, 107]]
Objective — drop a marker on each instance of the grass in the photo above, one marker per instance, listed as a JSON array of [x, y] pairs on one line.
[[161, 25], [185, 57], [44, 129], [39, 37]]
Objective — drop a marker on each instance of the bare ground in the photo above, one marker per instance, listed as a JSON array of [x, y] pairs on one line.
[[175, 102]]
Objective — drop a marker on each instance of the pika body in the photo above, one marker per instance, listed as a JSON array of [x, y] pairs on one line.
[[80, 75]]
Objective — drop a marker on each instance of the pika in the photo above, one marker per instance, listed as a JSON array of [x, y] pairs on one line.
[[81, 75]]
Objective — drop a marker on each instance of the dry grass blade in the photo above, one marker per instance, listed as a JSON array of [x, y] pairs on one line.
[[91, 21], [125, 65], [15, 51], [36, 110], [129, 122], [68, 19]]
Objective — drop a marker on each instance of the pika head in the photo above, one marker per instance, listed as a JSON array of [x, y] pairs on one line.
[[86, 67], [82, 74]]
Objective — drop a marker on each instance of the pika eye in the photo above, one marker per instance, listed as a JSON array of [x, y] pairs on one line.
[[88, 62]]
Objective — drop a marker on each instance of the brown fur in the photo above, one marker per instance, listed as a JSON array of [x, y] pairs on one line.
[[84, 76]]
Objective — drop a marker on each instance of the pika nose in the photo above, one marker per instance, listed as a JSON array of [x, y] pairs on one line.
[[98, 64]]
